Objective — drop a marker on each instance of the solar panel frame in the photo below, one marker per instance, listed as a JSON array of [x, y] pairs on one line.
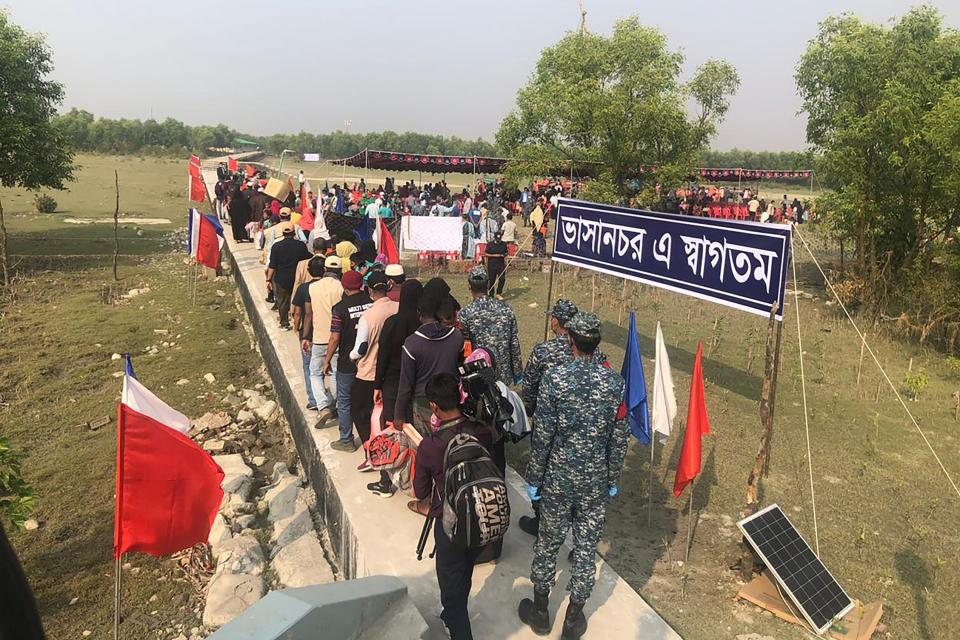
[[787, 557]]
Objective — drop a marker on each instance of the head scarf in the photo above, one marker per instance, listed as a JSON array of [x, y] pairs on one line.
[[407, 321]]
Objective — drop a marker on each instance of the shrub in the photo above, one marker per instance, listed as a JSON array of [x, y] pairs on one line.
[[16, 496], [916, 381], [44, 203]]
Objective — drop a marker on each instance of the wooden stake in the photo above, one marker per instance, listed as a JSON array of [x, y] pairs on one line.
[[546, 317], [860, 365], [116, 225], [116, 599], [686, 555], [593, 292], [3, 250], [653, 444], [879, 385]]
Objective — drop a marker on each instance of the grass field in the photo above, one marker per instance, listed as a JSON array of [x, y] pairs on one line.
[[56, 372], [886, 515]]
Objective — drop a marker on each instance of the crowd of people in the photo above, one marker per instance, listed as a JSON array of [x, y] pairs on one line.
[[387, 360], [386, 356]]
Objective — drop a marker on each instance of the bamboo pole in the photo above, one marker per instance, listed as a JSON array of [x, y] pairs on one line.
[[653, 446], [686, 555], [116, 225], [116, 599], [860, 365], [546, 316]]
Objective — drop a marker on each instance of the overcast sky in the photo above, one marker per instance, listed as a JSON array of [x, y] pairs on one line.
[[435, 66]]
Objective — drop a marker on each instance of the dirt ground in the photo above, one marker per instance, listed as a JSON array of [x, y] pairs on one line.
[[885, 512]]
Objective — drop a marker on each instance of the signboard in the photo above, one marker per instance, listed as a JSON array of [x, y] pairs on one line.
[[430, 233], [737, 264], [311, 157]]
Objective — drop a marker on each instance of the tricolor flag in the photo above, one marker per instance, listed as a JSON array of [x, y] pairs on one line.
[[168, 488], [204, 238]]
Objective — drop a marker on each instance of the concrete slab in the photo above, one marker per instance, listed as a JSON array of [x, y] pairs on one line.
[[373, 536]]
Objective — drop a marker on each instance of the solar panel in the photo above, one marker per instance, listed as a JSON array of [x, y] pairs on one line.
[[812, 588]]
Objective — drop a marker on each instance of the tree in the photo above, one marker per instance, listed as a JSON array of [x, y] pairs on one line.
[[611, 105], [883, 109], [33, 152]]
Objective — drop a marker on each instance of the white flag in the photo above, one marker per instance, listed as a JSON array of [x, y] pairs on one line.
[[664, 402]]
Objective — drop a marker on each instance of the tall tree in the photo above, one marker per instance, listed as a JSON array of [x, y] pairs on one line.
[[611, 105], [32, 152], [883, 108]]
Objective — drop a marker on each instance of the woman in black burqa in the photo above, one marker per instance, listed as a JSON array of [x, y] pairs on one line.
[[239, 214]]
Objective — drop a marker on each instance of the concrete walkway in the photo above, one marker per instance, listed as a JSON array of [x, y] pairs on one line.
[[374, 536]]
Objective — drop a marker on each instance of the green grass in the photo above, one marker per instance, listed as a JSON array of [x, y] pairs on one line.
[[873, 474], [56, 372], [872, 471]]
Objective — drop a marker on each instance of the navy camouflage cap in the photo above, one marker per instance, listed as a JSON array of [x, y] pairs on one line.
[[478, 273], [584, 324], [563, 311]]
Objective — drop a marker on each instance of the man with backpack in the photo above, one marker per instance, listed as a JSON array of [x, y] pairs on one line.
[[468, 497], [579, 442]]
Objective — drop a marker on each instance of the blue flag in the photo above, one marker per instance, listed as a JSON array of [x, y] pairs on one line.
[[128, 366], [635, 395]]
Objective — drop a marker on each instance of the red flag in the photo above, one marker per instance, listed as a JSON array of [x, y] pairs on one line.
[[168, 488], [194, 166], [232, 164], [198, 190], [698, 425], [387, 246], [250, 171], [307, 219], [208, 244]]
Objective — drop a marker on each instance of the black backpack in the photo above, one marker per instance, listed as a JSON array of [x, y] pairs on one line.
[[476, 510]]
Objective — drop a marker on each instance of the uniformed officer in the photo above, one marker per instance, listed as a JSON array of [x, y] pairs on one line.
[[545, 356], [576, 457], [491, 325]]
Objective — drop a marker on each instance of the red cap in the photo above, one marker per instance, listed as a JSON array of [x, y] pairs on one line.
[[352, 280]]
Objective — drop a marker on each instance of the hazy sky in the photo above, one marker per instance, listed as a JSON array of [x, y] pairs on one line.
[[436, 66]]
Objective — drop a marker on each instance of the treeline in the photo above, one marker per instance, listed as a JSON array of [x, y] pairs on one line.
[[745, 159], [84, 132], [341, 144]]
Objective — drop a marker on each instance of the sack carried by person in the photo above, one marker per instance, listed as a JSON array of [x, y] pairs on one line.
[[476, 510], [388, 450]]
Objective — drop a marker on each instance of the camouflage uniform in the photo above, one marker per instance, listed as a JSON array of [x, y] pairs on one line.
[[549, 354], [491, 324], [576, 457]]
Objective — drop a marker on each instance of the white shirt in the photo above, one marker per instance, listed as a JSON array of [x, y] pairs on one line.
[[373, 210], [509, 231]]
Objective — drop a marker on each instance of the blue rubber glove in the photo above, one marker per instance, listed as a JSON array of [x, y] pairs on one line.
[[613, 491], [533, 492]]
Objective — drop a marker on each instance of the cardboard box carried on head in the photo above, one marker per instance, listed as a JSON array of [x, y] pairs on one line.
[[277, 189]]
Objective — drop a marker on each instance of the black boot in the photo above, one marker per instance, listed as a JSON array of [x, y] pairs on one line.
[[530, 524], [574, 622], [535, 614]]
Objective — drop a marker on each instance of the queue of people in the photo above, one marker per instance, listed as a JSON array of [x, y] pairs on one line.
[[373, 341]]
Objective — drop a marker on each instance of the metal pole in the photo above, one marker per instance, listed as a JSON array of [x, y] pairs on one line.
[[546, 317], [116, 599]]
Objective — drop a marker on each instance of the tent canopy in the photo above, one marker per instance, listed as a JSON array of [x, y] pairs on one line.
[[399, 161]]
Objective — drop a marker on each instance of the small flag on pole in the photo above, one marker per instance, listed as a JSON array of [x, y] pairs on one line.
[[128, 366], [168, 488], [636, 387], [231, 164], [664, 401], [698, 425]]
